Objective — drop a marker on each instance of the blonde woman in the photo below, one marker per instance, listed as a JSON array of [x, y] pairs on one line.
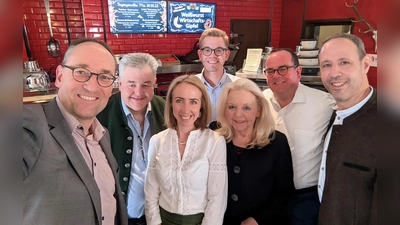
[[186, 182], [260, 172]]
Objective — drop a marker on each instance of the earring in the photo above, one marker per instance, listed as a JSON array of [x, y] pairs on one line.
[[199, 115]]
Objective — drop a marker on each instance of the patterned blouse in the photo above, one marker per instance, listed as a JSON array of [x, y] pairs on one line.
[[197, 183]]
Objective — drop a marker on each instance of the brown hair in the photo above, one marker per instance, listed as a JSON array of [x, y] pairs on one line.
[[205, 109], [214, 32], [79, 41]]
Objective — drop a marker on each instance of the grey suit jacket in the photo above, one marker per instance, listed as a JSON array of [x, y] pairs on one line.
[[58, 185]]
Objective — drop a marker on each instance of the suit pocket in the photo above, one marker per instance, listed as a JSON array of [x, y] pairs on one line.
[[357, 167]]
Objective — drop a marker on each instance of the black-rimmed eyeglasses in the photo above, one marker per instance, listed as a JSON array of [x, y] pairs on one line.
[[217, 51], [282, 70], [82, 75]]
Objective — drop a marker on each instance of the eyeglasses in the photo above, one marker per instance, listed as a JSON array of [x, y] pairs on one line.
[[217, 51], [282, 70], [82, 75]]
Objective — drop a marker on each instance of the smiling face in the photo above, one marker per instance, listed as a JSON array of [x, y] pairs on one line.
[[287, 84], [241, 111], [213, 63], [137, 87], [85, 100], [186, 105], [342, 72]]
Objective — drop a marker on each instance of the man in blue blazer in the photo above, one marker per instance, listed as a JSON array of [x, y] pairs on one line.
[[69, 172]]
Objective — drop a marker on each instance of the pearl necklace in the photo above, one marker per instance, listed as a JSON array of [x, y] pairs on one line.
[[181, 143]]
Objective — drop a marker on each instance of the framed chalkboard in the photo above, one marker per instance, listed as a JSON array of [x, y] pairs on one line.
[[190, 17], [137, 16]]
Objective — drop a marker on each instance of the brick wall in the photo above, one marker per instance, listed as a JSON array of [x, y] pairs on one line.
[[87, 13]]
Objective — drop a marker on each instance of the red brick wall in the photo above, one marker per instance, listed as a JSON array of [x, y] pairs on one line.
[[178, 44]]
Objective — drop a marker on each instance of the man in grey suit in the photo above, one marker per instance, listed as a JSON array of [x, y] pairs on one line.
[[69, 172]]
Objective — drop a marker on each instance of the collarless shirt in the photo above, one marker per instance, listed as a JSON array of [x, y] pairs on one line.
[[304, 121], [215, 91], [96, 161], [340, 116], [135, 198]]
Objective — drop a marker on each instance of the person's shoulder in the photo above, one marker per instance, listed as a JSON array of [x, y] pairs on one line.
[[32, 112], [233, 77], [312, 91], [268, 94], [279, 136], [162, 135], [210, 134], [158, 100], [317, 95]]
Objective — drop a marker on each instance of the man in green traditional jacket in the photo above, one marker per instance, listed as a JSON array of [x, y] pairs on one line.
[[131, 121]]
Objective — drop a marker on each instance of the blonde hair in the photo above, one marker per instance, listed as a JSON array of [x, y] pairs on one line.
[[214, 32], [205, 110], [264, 124]]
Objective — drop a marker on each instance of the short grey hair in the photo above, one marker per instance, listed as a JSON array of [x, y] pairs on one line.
[[353, 38], [137, 60]]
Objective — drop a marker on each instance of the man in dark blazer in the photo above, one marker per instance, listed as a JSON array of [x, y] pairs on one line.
[[69, 172], [348, 174], [132, 116]]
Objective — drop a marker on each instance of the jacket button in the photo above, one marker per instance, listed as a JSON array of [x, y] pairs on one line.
[[129, 151], [123, 192], [125, 179], [234, 197], [236, 169], [127, 165], [129, 138]]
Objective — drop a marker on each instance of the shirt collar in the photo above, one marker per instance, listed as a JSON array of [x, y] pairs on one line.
[[75, 126], [347, 112], [300, 95], [221, 81]]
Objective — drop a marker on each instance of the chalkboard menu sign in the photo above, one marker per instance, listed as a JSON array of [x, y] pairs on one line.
[[190, 17], [137, 16]]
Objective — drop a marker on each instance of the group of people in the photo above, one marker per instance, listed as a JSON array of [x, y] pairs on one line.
[[217, 150]]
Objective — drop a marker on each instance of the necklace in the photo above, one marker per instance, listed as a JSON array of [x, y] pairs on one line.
[[181, 143]]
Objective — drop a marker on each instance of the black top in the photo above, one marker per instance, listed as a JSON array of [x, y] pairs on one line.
[[260, 182]]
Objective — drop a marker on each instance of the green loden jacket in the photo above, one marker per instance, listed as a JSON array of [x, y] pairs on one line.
[[114, 119]]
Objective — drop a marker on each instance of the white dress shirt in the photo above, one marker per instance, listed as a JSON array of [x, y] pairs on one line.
[[197, 183], [340, 116], [304, 121], [215, 91]]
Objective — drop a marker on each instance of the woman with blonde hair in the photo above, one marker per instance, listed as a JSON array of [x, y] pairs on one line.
[[186, 182], [260, 172]]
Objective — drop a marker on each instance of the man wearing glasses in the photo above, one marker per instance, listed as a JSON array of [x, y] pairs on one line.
[[213, 54], [303, 115], [132, 116], [69, 172]]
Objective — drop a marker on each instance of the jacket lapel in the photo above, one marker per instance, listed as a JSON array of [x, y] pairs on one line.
[[61, 133]]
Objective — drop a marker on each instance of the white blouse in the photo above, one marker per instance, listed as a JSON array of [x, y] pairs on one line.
[[197, 183]]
